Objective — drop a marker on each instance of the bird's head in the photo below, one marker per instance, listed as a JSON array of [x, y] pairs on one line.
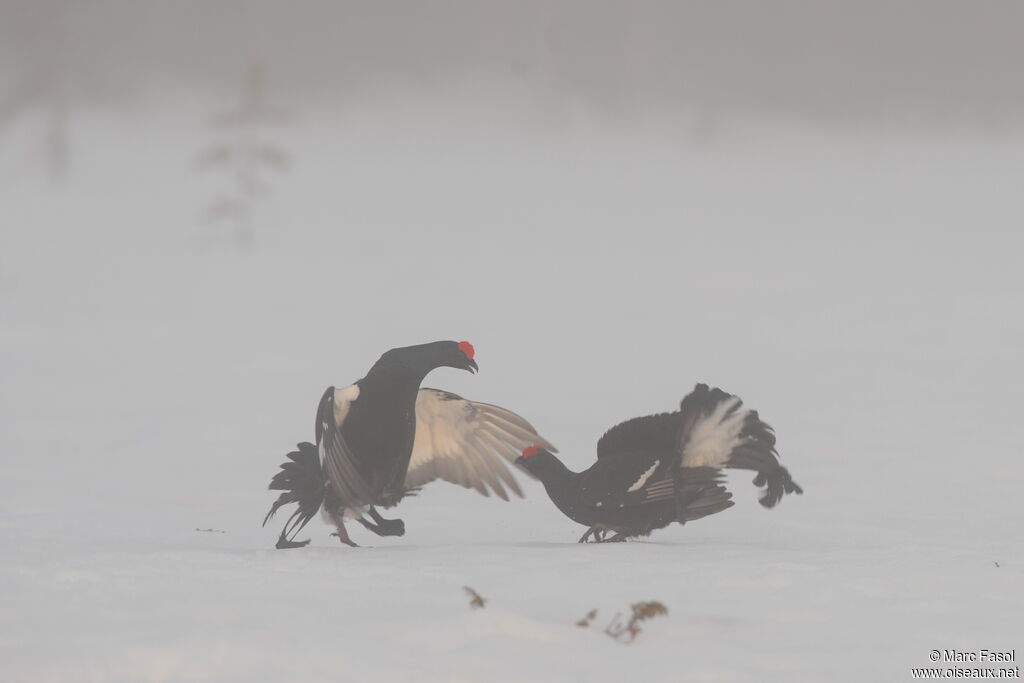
[[450, 354], [538, 461], [462, 357], [423, 358]]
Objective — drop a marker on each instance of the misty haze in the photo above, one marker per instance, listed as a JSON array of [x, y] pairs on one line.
[[212, 212]]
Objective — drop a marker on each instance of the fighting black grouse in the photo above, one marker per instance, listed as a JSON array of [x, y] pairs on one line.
[[383, 437], [658, 469]]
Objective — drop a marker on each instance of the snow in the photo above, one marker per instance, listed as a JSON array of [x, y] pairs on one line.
[[860, 289]]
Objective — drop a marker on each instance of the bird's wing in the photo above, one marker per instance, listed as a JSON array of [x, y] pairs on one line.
[[467, 443], [633, 478], [638, 479], [338, 461], [339, 465], [700, 491]]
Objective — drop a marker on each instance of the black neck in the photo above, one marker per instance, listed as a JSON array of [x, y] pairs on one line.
[[551, 471], [392, 372]]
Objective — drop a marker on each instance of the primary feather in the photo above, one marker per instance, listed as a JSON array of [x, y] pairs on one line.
[[467, 443]]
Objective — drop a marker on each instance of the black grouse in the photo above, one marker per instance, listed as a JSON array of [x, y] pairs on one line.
[[383, 437], [655, 470]]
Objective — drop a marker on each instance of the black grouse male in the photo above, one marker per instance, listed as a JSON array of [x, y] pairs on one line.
[[383, 437], [655, 470]]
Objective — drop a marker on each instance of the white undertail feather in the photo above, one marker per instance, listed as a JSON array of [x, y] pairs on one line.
[[639, 484], [714, 436]]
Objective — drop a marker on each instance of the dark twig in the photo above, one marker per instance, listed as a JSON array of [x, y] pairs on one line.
[[475, 599], [626, 633]]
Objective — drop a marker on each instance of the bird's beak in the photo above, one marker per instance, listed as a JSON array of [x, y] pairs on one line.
[[472, 366]]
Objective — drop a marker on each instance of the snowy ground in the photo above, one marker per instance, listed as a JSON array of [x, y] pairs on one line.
[[861, 289]]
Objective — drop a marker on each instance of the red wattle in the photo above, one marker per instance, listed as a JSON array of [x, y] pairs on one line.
[[530, 450]]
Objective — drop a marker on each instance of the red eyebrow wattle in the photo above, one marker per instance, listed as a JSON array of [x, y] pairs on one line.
[[530, 450]]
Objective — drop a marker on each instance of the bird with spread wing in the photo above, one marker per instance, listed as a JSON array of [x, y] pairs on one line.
[[383, 437]]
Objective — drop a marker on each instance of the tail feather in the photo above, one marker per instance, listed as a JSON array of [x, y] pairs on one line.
[[775, 478], [717, 430], [777, 483], [303, 482], [712, 424]]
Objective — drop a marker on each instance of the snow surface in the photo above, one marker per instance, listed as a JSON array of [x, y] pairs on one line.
[[861, 289]]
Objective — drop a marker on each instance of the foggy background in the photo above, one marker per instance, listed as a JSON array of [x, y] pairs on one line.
[[919, 63], [209, 212]]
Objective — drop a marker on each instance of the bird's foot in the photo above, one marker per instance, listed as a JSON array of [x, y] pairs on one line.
[[343, 537], [598, 535], [386, 527], [284, 544], [392, 527]]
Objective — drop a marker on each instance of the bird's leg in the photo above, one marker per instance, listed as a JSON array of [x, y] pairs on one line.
[[387, 527], [587, 535], [599, 535], [617, 538], [370, 526], [339, 521]]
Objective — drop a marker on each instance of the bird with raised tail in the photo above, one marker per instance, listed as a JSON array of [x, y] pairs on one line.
[[384, 437], [658, 469]]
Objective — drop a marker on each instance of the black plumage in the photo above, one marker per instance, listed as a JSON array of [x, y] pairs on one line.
[[711, 428], [658, 469], [381, 438], [303, 482], [603, 497]]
